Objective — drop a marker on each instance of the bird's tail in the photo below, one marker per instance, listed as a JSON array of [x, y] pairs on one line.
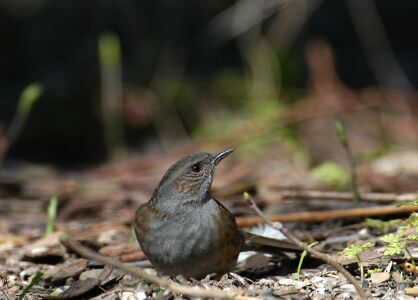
[[254, 242]]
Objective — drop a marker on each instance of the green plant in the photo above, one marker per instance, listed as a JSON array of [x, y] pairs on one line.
[[374, 153], [354, 251], [52, 214], [110, 62], [35, 280], [408, 203], [302, 258], [342, 136], [410, 223], [28, 97], [109, 50], [397, 242]]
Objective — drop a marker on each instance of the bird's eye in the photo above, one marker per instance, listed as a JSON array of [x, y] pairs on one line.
[[196, 168]]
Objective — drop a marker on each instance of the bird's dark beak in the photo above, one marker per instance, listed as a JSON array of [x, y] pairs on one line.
[[217, 157]]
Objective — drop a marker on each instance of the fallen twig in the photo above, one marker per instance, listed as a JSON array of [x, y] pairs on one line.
[[320, 216], [172, 286], [347, 196], [322, 256]]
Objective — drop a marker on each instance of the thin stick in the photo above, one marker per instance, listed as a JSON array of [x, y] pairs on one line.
[[322, 256], [172, 286], [5, 295], [321, 216], [347, 196]]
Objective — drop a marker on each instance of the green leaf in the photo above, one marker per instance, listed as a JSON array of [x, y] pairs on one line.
[[35, 280], [412, 237], [28, 97], [341, 133], [52, 214], [302, 258], [395, 244]]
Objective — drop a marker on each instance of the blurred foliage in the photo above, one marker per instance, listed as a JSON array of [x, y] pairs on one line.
[[371, 154], [111, 85], [222, 77], [223, 123], [185, 100], [253, 112], [109, 50], [250, 99], [341, 133], [384, 226], [332, 174], [231, 88], [28, 97], [407, 203], [52, 215]]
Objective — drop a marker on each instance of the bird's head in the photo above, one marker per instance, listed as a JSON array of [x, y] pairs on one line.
[[189, 178]]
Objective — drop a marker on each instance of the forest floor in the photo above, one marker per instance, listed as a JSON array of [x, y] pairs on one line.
[[302, 182], [96, 208]]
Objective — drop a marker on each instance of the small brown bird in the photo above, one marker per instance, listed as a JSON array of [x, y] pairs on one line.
[[183, 230]]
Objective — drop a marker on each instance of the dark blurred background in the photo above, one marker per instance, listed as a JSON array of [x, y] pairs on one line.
[[165, 68]]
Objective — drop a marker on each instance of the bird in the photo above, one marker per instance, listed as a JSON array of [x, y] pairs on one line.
[[184, 230]]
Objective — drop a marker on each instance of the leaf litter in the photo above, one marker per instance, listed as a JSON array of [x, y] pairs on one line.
[[96, 207]]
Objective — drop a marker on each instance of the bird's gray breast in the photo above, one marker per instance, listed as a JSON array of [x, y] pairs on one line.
[[184, 238]]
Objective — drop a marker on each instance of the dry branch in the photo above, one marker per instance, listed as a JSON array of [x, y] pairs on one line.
[[322, 256], [347, 196], [320, 216]]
